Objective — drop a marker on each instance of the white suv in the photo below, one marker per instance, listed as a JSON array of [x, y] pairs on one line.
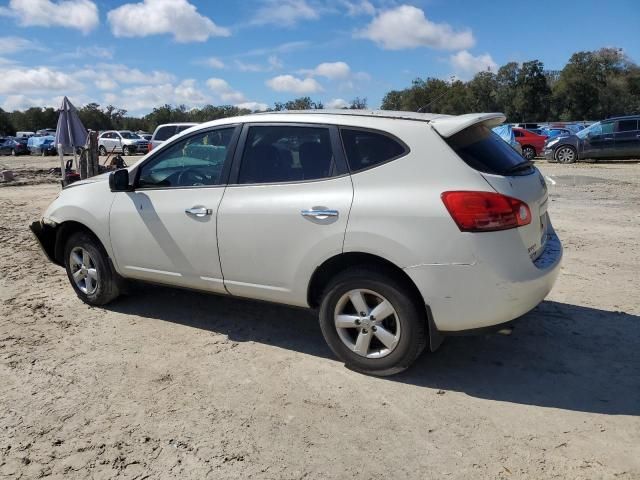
[[399, 228]]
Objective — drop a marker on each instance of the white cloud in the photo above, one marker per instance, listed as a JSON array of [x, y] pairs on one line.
[[273, 63], [466, 65], [330, 70], [289, 83], [253, 106], [337, 103], [407, 27], [18, 44], [106, 84], [41, 79], [361, 7], [124, 74], [84, 52], [284, 12], [22, 102], [154, 17], [223, 90], [213, 62], [142, 98], [79, 14]]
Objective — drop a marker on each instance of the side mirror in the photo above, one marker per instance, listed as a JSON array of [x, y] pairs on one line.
[[119, 181]]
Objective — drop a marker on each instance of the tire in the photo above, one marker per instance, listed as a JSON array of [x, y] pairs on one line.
[[529, 152], [565, 154], [125, 151], [98, 288], [102, 151], [407, 323]]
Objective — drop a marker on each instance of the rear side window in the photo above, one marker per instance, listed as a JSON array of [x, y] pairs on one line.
[[366, 149], [164, 133], [627, 125], [286, 154], [485, 151], [180, 128]]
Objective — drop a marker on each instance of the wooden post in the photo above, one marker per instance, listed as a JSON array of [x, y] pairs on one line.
[[92, 154], [61, 154], [82, 165]]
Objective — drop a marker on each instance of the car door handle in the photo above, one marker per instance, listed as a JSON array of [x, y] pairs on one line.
[[319, 214], [198, 211]]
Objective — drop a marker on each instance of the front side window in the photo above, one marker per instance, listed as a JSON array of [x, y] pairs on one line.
[[366, 149], [286, 154], [607, 127], [129, 135], [594, 129], [191, 162]]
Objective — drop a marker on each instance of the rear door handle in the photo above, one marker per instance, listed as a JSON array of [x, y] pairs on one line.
[[319, 214], [198, 211]]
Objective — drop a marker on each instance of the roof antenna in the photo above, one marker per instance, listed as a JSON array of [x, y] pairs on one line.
[[421, 109]]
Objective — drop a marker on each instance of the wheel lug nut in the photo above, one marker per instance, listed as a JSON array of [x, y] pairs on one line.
[[358, 322], [373, 329], [364, 330], [372, 318]]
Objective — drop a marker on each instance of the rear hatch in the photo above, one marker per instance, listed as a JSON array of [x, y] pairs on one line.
[[504, 169]]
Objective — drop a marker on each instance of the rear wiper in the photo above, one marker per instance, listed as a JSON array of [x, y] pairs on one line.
[[520, 166]]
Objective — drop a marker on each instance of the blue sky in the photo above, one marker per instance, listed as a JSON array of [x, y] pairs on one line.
[[140, 54]]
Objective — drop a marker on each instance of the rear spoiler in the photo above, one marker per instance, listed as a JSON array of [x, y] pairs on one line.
[[448, 126]]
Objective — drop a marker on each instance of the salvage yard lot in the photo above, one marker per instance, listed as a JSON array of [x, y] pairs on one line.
[[170, 383]]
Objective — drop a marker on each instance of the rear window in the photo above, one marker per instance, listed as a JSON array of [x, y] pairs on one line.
[[485, 151], [365, 149], [164, 133]]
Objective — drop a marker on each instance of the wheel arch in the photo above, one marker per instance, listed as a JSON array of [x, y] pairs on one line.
[[64, 231]]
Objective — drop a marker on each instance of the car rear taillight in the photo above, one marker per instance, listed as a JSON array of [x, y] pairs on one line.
[[149, 147], [486, 211]]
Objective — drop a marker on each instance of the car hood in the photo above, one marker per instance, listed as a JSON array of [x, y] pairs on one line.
[[103, 177]]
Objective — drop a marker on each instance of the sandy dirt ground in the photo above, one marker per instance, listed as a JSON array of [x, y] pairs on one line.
[[174, 384]]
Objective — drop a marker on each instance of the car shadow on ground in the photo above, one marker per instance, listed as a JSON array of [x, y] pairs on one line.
[[559, 355]]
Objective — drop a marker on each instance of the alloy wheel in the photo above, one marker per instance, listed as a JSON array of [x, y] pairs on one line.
[[367, 323], [566, 155], [83, 270]]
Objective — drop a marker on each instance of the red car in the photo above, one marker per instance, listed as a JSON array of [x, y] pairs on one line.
[[532, 144]]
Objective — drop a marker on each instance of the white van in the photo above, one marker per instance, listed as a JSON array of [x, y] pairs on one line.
[[25, 134]]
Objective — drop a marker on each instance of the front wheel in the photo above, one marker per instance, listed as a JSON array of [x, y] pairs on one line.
[[566, 154], [529, 153], [102, 151], [125, 151], [89, 271], [372, 322]]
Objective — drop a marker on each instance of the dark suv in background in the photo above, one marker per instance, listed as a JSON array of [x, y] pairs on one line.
[[612, 139]]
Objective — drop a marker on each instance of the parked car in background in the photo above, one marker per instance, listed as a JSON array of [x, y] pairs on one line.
[[24, 134], [145, 135], [46, 132], [14, 146], [528, 126], [505, 132], [532, 144], [123, 141], [42, 145], [166, 131], [552, 132], [398, 227], [614, 138]]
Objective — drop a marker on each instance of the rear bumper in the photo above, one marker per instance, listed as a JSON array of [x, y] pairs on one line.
[[500, 286]]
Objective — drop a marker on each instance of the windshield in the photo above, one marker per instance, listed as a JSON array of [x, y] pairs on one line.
[[596, 128], [129, 135]]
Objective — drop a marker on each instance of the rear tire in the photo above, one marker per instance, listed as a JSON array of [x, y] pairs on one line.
[[102, 150], [529, 153], [565, 154], [125, 151], [88, 270], [380, 346]]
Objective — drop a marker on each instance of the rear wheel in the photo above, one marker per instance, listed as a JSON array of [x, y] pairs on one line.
[[372, 322], [88, 270], [126, 151], [529, 153], [565, 154], [102, 150]]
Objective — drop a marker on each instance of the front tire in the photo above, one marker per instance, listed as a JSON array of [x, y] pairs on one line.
[[372, 322], [125, 151], [102, 151], [88, 270], [566, 154]]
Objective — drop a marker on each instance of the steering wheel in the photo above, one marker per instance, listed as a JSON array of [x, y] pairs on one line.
[[191, 177]]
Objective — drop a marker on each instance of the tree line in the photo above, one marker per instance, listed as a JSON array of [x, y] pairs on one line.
[[592, 86]]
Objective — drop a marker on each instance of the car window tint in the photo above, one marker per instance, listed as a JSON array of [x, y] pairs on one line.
[[286, 154], [164, 133], [366, 149], [627, 125], [191, 162], [180, 128], [485, 151]]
